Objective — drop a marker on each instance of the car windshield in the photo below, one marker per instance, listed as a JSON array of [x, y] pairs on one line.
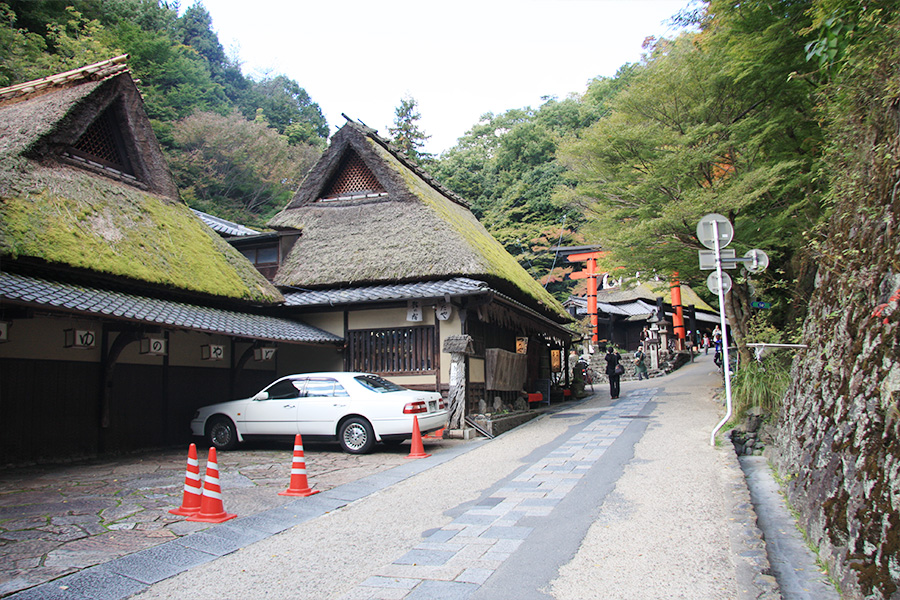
[[378, 384]]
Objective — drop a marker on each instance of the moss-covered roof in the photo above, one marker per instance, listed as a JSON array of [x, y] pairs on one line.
[[414, 231], [88, 218]]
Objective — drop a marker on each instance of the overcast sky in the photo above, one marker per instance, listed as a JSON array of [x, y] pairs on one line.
[[459, 59]]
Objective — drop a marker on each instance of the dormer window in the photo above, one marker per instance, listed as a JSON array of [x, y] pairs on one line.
[[353, 180], [102, 144]]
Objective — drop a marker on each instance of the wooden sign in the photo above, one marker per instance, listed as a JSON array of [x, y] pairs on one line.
[[414, 310], [521, 345]]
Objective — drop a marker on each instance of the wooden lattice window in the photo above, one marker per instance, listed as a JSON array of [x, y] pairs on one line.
[[353, 178], [392, 351], [102, 143]]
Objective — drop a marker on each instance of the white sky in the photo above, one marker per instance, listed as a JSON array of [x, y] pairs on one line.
[[458, 58]]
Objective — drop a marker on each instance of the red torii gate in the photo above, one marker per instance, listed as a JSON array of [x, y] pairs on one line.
[[590, 255], [590, 273]]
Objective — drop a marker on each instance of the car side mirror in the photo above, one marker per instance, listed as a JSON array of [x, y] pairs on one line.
[[261, 396]]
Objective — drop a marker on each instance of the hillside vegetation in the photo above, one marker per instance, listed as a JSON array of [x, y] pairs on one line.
[[727, 117]]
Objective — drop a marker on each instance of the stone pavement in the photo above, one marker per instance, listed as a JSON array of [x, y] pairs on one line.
[[454, 561], [124, 542], [60, 519]]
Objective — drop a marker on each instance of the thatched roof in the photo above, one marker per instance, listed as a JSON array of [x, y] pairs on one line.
[[394, 224], [61, 208], [649, 291]]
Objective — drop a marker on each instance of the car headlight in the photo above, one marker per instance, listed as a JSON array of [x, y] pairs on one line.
[[196, 415]]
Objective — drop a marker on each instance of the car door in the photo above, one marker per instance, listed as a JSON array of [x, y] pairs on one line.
[[276, 412], [324, 402]]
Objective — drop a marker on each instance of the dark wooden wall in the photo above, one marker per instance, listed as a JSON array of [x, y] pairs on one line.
[[51, 409]]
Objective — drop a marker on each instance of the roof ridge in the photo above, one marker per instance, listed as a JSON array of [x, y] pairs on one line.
[[95, 72]]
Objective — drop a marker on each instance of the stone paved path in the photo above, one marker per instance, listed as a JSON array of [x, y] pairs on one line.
[[456, 559], [57, 520]]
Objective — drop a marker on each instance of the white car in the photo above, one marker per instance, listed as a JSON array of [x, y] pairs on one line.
[[359, 409]]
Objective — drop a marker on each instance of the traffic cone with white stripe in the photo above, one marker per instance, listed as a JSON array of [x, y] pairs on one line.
[[190, 502], [299, 486], [212, 510], [417, 450]]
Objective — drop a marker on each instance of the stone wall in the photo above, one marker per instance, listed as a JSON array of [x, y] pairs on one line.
[[838, 437]]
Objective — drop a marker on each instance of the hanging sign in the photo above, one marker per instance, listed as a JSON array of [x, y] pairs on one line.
[[212, 352], [556, 360], [80, 338], [521, 345], [443, 310], [414, 310], [265, 353], [154, 346]]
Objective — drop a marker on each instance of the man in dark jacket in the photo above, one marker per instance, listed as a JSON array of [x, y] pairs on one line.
[[612, 361]]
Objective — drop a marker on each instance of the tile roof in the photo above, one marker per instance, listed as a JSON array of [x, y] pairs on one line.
[[632, 311], [459, 286], [106, 303], [95, 72], [222, 226]]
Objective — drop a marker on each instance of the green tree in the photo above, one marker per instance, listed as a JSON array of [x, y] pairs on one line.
[[406, 133], [234, 168], [68, 42], [711, 122], [287, 108], [506, 167]]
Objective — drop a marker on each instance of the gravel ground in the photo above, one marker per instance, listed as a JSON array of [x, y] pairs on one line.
[[663, 532]]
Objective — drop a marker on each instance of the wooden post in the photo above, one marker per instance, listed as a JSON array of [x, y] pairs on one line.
[[677, 309], [459, 347]]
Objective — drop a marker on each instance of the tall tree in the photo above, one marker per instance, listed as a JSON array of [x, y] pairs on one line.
[[506, 167], [287, 108], [406, 133], [236, 168], [715, 121]]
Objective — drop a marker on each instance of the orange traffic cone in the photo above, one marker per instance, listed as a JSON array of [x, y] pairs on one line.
[[298, 486], [190, 502], [417, 450], [212, 510]]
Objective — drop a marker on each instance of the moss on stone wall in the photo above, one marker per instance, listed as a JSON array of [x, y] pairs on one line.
[[838, 431]]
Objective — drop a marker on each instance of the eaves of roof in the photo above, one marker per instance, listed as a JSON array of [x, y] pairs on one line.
[[456, 287], [459, 286], [223, 226], [51, 295]]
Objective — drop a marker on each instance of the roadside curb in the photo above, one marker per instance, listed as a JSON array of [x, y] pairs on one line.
[[754, 572]]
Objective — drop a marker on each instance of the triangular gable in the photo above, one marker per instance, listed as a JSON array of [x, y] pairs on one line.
[[413, 231], [353, 179], [91, 195], [92, 118], [103, 142]]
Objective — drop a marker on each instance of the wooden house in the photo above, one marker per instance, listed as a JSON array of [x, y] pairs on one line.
[[121, 312], [395, 264]]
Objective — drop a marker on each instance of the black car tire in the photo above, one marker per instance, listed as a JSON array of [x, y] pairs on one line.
[[356, 436], [221, 433]]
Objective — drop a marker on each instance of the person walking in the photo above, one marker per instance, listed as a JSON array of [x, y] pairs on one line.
[[614, 371], [640, 368]]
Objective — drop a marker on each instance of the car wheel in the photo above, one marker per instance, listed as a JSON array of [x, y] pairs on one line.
[[221, 434], [356, 436]]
